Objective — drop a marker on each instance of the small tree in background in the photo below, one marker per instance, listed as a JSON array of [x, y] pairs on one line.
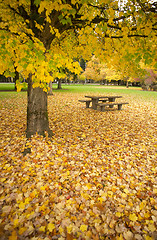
[[94, 70], [149, 80]]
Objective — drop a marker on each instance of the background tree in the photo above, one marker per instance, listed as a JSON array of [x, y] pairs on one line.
[[98, 71], [148, 80], [40, 36], [95, 70], [83, 64]]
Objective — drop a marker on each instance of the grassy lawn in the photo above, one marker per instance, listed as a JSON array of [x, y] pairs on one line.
[[7, 86], [94, 179], [90, 88], [100, 89]]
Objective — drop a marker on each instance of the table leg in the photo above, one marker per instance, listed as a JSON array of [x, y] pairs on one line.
[[112, 99], [119, 106], [94, 101]]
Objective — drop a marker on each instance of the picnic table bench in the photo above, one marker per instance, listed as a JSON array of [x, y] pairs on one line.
[[87, 102], [96, 99], [110, 104], [102, 102]]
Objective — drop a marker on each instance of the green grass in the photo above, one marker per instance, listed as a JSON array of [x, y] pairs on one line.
[[7, 86], [10, 94], [7, 90], [80, 88], [95, 89]]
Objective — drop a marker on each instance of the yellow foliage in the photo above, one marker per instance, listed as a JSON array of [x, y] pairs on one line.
[[69, 229], [72, 197], [50, 227], [13, 236], [22, 230], [22, 206], [15, 223], [42, 229], [151, 227], [133, 217], [83, 228], [148, 238], [28, 50], [119, 237], [118, 214]]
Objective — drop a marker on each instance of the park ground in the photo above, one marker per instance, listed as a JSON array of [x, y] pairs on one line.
[[94, 179]]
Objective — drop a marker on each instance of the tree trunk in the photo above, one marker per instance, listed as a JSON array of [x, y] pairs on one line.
[[119, 82], [59, 83], [15, 78], [37, 114], [50, 86]]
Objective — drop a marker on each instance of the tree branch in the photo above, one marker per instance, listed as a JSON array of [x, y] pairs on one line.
[[146, 8], [105, 7], [22, 13]]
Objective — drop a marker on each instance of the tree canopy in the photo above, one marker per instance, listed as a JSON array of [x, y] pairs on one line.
[[42, 36], [98, 71]]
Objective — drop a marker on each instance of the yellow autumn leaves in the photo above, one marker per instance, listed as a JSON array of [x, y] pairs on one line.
[[133, 217], [95, 179], [50, 227]]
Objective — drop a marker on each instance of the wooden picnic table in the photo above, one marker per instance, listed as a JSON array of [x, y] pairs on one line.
[[96, 99]]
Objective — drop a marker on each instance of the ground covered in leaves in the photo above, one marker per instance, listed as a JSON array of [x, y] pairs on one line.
[[95, 179]]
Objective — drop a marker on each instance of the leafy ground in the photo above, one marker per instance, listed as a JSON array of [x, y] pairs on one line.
[[95, 179]]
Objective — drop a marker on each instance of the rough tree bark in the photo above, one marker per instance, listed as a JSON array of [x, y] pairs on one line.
[[59, 83], [37, 114], [127, 84], [50, 86], [15, 78]]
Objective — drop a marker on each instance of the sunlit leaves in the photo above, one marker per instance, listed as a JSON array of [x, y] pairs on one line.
[[13, 236], [83, 228], [119, 33], [94, 179], [133, 217], [50, 227]]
